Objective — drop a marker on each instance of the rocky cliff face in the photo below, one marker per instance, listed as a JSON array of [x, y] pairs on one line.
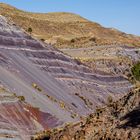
[[46, 87]]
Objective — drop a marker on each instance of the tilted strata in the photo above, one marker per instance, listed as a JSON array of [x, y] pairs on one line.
[[50, 80]]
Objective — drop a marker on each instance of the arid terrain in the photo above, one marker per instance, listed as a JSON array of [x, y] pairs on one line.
[[46, 84], [95, 46], [115, 121], [67, 29]]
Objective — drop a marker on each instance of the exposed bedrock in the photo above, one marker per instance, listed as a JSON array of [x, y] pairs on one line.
[[48, 80]]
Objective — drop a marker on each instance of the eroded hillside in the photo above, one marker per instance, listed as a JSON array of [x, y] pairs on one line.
[[100, 48], [112, 59], [61, 88], [118, 120], [43, 88]]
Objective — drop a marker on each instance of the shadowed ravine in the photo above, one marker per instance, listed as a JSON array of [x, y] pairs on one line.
[[133, 119]]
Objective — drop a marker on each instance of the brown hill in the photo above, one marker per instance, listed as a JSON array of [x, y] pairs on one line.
[[67, 29]]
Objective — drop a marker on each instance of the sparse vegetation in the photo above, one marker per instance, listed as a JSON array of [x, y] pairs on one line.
[[51, 98], [93, 39], [103, 125], [85, 100], [136, 71], [42, 39], [109, 100], [72, 40], [45, 135], [62, 105], [73, 115], [30, 30], [2, 89], [21, 98], [43, 26], [34, 85]]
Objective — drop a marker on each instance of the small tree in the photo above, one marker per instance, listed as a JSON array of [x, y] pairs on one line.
[[136, 71], [72, 40], [42, 39], [93, 39], [21, 98], [30, 30], [109, 100]]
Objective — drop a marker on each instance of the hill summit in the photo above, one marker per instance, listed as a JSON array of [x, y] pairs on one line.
[[67, 29]]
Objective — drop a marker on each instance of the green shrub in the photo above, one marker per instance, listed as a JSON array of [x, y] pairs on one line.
[[72, 40], [109, 99], [136, 71], [21, 98], [30, 30], [34, 85], [42, 39], [92, 39]]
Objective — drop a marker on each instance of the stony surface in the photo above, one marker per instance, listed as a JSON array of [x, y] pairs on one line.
[[112, 59], [117, 121]]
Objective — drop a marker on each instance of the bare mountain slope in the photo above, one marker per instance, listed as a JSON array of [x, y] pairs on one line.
[[47, 79], [66, 29], [102, 49]]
